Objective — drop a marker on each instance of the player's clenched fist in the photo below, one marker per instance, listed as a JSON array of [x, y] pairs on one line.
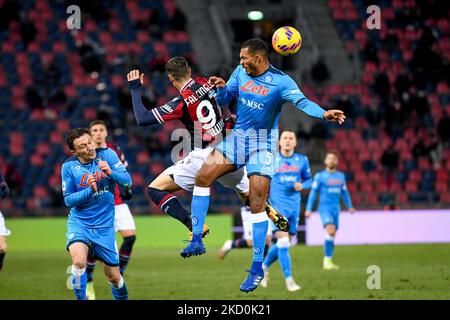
[[92, 182], [134, 75], [308, 214], [104, 166], [218, 82]]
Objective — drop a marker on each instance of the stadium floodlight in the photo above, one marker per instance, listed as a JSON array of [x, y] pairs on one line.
[[255, 15]]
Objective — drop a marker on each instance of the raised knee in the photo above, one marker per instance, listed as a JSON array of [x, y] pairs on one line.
[[114, 278], [79, 263], [202, 179], [257, 204]]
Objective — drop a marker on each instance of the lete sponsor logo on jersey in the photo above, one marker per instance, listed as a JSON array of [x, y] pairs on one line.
[[251, 87], [288, 168], [333, 182]]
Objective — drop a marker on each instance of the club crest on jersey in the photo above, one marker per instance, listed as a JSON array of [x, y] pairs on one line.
[[251, 87], [268, 78]]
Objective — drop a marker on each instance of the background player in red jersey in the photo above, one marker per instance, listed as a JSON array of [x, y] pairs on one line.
[[123, 220]]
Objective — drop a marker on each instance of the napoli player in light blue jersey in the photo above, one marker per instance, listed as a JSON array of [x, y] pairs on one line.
[[293, 174], [261, 90], [331, 186], [88, 182]]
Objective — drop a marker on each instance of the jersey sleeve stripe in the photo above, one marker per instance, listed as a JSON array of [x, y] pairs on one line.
[[157, 116]]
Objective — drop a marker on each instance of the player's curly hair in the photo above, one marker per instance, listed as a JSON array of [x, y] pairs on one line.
[[177, 67], [256, 45], [75, 134]]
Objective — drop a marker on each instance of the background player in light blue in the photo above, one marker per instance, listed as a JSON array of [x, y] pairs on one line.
[[292, 175], [331, 186], [88, 183], [261, 90]]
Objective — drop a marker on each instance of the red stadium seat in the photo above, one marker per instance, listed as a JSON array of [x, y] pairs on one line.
[[445, 198], [43, 149], [138, 180], [90, 114], [16, 150], [37, 160], [442, 175], [402, 198], [143, 158], [424, 163], [62, 125], [411, 186], [40, 192], [371, 199], [442, 187], [414, 176], [356, 198], [366, 187], [31, 204]]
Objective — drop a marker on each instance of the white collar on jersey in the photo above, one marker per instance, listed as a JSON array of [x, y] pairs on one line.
[[187, 84]]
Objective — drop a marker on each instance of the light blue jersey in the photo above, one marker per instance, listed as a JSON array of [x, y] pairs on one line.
[[259, 101], [283, 196], [331, 186], [93, 210], [260, 98], [91, 217]]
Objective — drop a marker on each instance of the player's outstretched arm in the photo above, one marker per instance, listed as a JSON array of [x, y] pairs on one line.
[[226, 90], [290, 92], [305, 175], [143, 116], [346, 198], [312, 196]]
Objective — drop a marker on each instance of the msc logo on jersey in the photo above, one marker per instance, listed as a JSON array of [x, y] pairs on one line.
[[251, 104]]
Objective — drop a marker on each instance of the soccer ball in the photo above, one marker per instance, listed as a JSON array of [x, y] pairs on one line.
[[286, 41]]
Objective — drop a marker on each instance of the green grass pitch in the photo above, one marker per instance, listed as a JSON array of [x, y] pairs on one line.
[[36, 264]]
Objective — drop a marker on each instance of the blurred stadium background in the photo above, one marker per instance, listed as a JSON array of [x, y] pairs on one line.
[[392, 83]]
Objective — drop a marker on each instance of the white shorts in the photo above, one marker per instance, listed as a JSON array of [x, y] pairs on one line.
[[247, 224], [3, 230], [184, 172], [123, 219]]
